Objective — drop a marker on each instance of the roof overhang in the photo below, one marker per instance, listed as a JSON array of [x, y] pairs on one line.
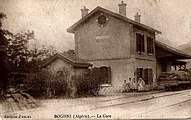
[[165, 51]]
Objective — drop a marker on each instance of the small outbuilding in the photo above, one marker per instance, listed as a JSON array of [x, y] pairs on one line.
[[66, 61]]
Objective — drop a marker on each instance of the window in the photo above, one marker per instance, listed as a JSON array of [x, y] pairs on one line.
[[145, 74], [148, 75], [150, 45], [139, 73], [140, 43], [102, 20], [105, 74]]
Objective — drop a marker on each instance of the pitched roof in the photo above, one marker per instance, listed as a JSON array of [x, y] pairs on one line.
[[73, 27], [68, 57], [173, 50]]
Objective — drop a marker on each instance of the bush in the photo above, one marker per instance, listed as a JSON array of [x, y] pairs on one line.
[[88, 83], [60, 82], [45, 83], [36, 83]]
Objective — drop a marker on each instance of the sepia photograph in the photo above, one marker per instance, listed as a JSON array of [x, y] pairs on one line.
[[95, 59]]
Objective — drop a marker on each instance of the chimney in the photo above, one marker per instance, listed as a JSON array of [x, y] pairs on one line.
[[122, 8], [84, 11], [137, 18]]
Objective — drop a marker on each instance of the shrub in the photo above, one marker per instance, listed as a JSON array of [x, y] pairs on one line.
[[61, 82], [47, 84], [88, 83], [36, 83]]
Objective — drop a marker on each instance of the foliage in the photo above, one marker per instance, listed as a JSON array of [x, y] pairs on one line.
[[46, 52], [36, 83], [17, 56], [17, 50], [88, 83], [45, 83], [3, 45], [60, 83], [21, 57]]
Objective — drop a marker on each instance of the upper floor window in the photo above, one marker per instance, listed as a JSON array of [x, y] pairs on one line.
[[150, 45], [140, 43]]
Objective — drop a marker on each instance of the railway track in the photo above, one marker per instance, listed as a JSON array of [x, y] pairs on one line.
[[174, 110], [167, 106], [139, 100]]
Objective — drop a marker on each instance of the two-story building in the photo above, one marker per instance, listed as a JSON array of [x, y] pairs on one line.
[[126, 47]]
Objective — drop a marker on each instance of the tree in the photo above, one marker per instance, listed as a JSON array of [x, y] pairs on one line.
[[46, 52], [17, 49], [23, 59], [16, 57], [3, 45]]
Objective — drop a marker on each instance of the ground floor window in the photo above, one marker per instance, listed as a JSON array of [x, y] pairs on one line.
[[105, 74], [146, 74], [139, 73]]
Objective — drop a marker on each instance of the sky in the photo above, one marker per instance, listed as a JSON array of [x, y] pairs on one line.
[[49, 19]]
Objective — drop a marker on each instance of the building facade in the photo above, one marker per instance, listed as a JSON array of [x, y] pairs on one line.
[[128, 47]]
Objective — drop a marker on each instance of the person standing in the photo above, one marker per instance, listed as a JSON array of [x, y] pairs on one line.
[[141, 84]]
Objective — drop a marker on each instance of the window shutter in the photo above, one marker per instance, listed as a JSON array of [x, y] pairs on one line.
[[150, 45], [138, 73], [138, 42], [146, 75], [142, 44], [150, 76], [105, 74], [109, 75], [103, 71]]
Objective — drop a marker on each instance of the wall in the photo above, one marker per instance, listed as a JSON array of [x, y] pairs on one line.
[[79, 71], [58, 64], [147, 63], [121, 69], [94, 42], [134, 47], [143, 60], [113, 45]]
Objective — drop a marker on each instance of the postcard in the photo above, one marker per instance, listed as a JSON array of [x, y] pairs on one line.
[[95, 59]]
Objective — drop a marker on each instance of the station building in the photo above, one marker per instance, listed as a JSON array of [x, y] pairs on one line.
[[126, 48]]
